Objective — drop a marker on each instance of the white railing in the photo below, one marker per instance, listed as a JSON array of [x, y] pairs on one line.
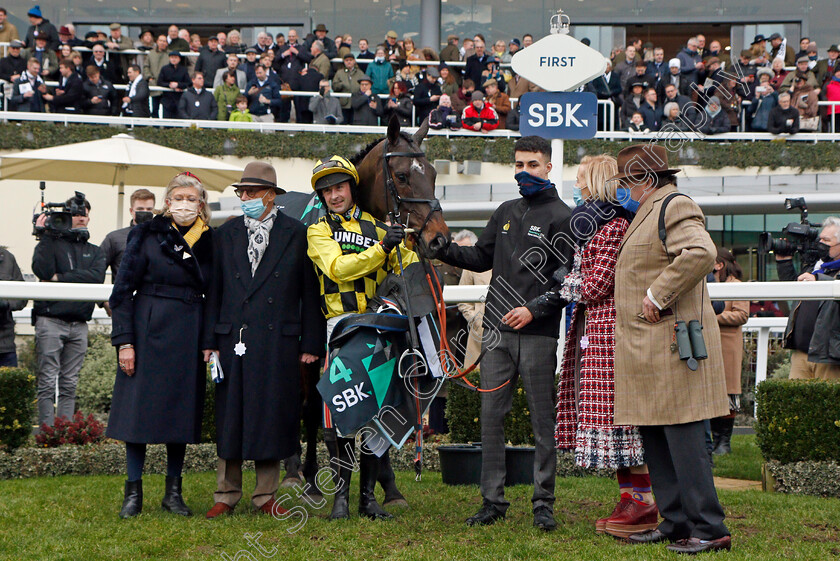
[[131, 122], [471, 294], [746, 103]]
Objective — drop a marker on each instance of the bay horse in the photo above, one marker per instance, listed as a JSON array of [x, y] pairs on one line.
[[396, 179]]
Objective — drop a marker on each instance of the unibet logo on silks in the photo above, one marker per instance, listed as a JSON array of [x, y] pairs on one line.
[[353, 241]]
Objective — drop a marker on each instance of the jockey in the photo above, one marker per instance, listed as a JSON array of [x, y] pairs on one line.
[[353, 253]]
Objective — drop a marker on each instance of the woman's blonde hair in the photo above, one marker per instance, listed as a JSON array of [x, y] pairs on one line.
[[596, 174], [186, 179]]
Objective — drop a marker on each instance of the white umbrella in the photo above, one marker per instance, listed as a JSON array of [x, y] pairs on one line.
[[118, 160]]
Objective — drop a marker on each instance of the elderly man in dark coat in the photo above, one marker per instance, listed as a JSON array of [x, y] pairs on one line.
[[263, 316]]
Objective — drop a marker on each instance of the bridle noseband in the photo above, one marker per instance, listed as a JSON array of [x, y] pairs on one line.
[[395, 198]]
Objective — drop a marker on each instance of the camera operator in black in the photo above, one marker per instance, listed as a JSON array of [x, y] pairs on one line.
[[61, 331], [813, 325]]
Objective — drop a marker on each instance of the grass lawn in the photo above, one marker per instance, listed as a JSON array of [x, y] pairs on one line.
[[75, 518], [744, 462]]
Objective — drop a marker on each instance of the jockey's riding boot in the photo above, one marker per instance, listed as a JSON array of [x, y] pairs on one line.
[[724, 447], [716, 426], [133, 501], [386, 479], [292, 466], [367, 483], [342, 463]]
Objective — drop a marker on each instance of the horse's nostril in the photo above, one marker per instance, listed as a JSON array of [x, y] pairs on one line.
[[437, 242]]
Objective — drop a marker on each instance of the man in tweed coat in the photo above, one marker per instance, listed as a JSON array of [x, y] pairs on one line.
[[654, 389]]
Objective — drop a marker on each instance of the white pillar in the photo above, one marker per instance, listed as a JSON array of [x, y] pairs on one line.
[[762, 348]]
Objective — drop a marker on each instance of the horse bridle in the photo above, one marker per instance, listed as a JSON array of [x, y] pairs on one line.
[[397, 200]]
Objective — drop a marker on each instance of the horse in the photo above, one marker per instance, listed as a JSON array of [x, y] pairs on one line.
[[397, 182]]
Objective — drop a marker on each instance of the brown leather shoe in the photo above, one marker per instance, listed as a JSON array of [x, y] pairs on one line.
[[635, 518], [601, 523], [219, 509], [272, 507], [648, 536], [692, 546]]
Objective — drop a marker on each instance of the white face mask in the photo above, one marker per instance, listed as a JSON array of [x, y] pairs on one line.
[[183, 213], [379, 59]]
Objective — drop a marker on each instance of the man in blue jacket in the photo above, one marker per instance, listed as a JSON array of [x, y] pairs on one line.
[[263, 95]]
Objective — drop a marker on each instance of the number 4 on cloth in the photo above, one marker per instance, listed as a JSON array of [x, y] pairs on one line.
[[339, 372]]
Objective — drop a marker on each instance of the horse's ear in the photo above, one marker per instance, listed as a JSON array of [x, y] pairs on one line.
[[421, 132], [394, 129]]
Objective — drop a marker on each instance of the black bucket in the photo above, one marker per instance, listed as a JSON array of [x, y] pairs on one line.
[[460, 464], [519, 465]]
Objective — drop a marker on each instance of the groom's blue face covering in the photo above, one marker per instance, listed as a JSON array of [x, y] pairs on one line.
[[530, 184]]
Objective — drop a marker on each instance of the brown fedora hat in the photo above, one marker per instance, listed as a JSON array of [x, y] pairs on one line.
[[259, 174], [640, 160]]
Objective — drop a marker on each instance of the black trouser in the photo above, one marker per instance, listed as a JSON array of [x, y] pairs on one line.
[[681, 477], [156, 106]]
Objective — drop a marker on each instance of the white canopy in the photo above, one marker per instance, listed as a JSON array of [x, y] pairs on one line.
[[118, 160]]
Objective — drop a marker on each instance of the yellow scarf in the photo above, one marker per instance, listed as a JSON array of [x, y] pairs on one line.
[[195, 231]]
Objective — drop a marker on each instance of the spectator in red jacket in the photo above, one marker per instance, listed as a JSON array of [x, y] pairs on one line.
[[478, 115]]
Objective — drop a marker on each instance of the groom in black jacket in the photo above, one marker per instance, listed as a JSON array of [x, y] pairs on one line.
[[525, 242]]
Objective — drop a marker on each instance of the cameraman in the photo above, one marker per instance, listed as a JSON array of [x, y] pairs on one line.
[[813, 327], [61, 331]]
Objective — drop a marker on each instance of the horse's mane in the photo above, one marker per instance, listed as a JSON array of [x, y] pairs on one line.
[[357, 159]]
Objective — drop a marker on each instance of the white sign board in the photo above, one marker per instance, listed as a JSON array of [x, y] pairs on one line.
[[559, 63]]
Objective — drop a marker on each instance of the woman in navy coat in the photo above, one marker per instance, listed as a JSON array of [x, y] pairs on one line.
[[157, 306]]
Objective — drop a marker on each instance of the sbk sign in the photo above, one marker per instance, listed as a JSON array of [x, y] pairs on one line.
[[572, 115]]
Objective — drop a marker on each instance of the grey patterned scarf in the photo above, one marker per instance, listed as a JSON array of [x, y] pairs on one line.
[[258, 233]]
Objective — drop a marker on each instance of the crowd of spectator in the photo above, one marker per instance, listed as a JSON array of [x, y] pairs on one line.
[[700, 88]]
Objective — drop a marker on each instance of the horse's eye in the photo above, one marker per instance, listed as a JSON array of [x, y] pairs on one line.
[[402, 177]]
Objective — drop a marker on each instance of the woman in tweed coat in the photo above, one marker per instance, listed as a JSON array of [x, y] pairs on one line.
[[586, 387]]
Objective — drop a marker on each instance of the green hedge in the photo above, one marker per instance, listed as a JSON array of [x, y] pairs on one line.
[[312, 145], [798, 420], [821, 479], [17, 406], [96, 378], [463, 412], [109, 459]]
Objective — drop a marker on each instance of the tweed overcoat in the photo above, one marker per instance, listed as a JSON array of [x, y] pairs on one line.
[[652, 385]]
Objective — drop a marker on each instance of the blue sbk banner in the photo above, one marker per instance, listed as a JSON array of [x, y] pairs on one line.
[[565, 115]]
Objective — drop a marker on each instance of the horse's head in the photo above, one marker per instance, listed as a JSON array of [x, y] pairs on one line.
[[395, 177]]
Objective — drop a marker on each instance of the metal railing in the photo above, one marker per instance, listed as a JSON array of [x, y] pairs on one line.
[[131, 122], [831, 121], [827, 290]]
